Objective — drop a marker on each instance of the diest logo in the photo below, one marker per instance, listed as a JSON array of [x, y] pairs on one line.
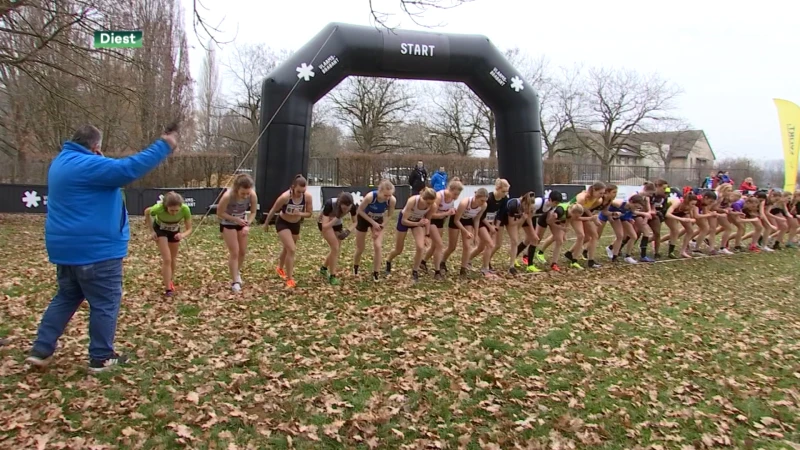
[[117, 39]]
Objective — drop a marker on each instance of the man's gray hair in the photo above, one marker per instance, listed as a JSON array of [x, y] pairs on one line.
[[87, 136]]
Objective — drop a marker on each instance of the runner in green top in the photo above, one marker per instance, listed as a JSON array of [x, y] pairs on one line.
[[165, 219]]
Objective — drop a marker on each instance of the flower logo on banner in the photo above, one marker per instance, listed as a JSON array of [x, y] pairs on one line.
[[357, 197], [31, 199], [305, 71], [516, 83]]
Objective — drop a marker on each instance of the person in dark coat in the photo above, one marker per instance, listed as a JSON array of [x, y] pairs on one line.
[[418, 178]]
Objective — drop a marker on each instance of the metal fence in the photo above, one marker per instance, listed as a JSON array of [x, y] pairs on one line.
[[215, 170]]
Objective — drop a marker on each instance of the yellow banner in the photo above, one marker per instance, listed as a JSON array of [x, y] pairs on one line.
[[789, 116]]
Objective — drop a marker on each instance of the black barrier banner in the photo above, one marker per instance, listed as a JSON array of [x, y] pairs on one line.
[[402, 193], [16, 198], [568, 191], [198, 200]]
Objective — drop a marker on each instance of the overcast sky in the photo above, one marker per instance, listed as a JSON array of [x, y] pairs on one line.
[[730, 60]]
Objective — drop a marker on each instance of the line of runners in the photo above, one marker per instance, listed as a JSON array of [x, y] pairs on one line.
[[712, 222]]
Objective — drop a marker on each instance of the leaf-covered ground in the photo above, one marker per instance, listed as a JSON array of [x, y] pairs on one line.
[[685, 355]]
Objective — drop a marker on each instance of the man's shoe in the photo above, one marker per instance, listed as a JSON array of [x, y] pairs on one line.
[[38, 359], [99, 365]]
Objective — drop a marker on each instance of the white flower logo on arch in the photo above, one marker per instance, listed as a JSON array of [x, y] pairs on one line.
[[305, 72], [357, 197], [516, 83], [31, 199]]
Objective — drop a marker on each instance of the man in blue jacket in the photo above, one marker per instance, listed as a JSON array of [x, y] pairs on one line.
[[86, 234], [439, 180]]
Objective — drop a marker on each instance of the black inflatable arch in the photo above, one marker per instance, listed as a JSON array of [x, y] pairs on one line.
[[342, 50]]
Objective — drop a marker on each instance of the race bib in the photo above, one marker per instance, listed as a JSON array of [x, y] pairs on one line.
[[491, 216], [174, 227], [293, 209], [375, 215]]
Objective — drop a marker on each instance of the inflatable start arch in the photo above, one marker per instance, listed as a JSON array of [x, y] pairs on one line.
[[342, 50]]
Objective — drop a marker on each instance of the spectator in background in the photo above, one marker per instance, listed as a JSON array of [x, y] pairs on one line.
[[747, 186], [439, 180], [418, 178], [709, 182], [86, 234], [722, 178]]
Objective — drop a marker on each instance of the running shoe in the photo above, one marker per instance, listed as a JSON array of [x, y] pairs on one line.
[[576, 265], [169, 293], [171, 286], [524, 260], [236, 287], [593, 265], [646, 259], [671, 256], [443, 267], [415, 276], [334, 280], [554, 267], [388, 267], [609, 252], [767, 249], [754, 248], [376, 277], [532, 269], [324, 272], [540, 257], [725, 251], [423, 266], [438, 276], [290, 283], [630, 260], [513, 270], [280, 272]]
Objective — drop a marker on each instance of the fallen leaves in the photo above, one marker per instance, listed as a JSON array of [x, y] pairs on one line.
[[660, 357]]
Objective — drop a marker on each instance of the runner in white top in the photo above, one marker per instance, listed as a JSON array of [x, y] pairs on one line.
[[467, 220], [416, 217], [445, 207]]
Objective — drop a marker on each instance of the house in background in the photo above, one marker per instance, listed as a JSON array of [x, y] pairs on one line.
[[642, 156]]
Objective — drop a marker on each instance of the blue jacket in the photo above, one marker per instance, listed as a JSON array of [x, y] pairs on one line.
[[87, 221], [439, 181]]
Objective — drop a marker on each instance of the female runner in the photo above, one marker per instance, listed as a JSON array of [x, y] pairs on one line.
[[235, 223], [679, 215], [294, 205], [586, 227], [374, 208], [517, 214], [542, 207], [467, 219], [490, 226], [332, 229], [166, 217], [557, 219], [445, 208], [621, 215], [416, 215]]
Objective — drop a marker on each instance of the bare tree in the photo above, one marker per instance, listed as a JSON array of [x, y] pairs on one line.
[[665, 140], [455, 117], [414, 9], [209, 106], [370, 109], [613, 105], [248, 67]]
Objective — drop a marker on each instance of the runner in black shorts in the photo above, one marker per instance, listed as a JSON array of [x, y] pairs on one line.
[[234, 224], [332, 229], [445, 210], [490, 224], [167, 216], [372, 212], [294, 205]]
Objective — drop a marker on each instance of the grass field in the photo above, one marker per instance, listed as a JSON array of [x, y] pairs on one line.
[[684, 355]]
